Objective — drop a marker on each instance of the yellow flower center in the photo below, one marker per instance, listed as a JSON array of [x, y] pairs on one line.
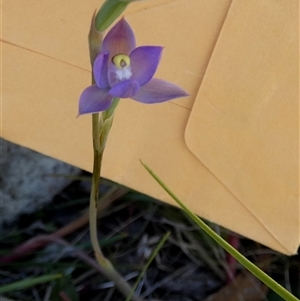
[[121, 61]]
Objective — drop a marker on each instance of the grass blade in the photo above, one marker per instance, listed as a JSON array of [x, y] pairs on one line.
[[153, 255], [22, 284], [262, 276]]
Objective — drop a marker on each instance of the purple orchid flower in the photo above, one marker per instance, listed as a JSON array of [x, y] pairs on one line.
[[123, 71]]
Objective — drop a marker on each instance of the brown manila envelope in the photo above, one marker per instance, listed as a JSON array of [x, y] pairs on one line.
[[229, 150]]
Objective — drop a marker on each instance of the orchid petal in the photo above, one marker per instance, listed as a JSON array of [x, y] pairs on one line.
[[157, 90], [144, 62], [93, 100], [100, 70], [125, 89], [120, 39]]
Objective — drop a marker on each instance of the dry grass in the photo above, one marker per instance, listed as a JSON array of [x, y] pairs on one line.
[[189, 267]]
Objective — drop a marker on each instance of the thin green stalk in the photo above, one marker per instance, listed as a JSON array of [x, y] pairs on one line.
[[100, 134], [145, 268], [98, 154], [22, 284], [256, 271], [100, 130]]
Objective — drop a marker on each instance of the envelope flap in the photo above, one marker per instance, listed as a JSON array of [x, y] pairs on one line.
[[244, 123]]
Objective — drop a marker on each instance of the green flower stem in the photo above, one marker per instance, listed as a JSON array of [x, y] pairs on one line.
[[256, 271], [98, 154], [101, 127]]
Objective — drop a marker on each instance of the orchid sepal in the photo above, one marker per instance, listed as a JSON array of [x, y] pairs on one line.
[[122, 70]]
